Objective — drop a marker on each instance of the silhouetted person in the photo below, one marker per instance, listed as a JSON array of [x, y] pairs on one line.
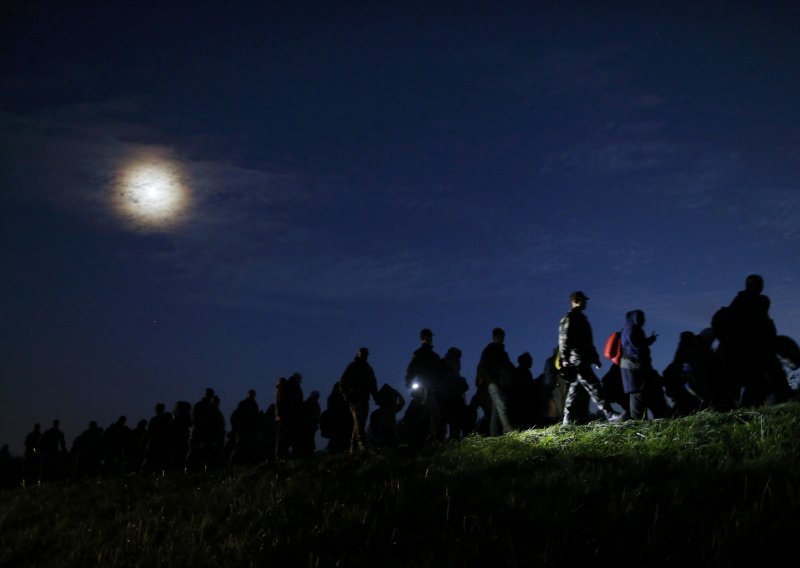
[[32, 459], [180, 433], [269, 435], [218, 433], [748, 346], [422, 420], [87, 452], [157, 444], [686, 378], [201, 439], [496, 370], [54, 453], [115, 442], [639, 380], [383, 420], [245, 424], [358, 384], [452, 397], [578, 353], [288, 414], [136, 445], [309, 424], [336, 422]]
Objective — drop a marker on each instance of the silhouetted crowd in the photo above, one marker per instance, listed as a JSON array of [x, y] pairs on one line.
[[740, 360]]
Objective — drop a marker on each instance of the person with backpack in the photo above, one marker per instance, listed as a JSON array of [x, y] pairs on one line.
[[639, 380], [577, 354]]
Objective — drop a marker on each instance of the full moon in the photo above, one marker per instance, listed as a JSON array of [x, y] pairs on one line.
[[150, 193]]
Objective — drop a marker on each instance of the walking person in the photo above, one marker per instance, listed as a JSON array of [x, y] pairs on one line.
[[639, 380], [496, 371], [577, 353], [358, 384]]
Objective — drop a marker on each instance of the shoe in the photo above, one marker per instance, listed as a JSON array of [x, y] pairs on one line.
[[616, 417]]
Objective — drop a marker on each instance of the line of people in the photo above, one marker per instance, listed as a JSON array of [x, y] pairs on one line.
[[739, 360]]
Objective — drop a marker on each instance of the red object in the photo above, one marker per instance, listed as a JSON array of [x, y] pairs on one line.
[[613, 350]]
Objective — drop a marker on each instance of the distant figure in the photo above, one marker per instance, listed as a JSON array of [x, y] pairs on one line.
[[32, 459], [87, 452], [358, 384], [578, 353], [687, 381], [309, 424], [157, 449], [336, 422], [136, 445], [383, 420], [524, 399], [451, 394], [245, 422], [180, 434], [115, 445], [54, 453], [496, 371], [422, 423], [639, 380], [202, 440], [748, 346], [288, 414]]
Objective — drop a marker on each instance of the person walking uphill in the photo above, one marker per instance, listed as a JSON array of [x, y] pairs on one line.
[[577, 353], [639, 380], [496, 372], [358, 384]]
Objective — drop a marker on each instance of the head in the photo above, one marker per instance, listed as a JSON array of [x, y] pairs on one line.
[[707, 335], [362, 353], [251, 394], [754, 283], [426, 336], [578, 300], [453, 358], [160, 408], [314, 395], [498, 335], [635, 318], [209, 393], [525, 360]]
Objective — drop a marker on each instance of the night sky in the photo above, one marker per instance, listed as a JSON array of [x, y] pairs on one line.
[[196, 196]]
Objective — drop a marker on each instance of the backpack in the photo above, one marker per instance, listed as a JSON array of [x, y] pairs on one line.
[[613, 350]]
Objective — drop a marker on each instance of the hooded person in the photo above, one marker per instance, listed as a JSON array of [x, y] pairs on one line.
[[639, 380]]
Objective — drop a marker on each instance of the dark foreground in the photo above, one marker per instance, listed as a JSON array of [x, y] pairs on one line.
[[711, 489]]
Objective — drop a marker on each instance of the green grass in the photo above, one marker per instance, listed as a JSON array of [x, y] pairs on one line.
[[711, 489]]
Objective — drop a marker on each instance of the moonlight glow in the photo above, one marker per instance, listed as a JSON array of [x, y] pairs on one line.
[[150, 194]]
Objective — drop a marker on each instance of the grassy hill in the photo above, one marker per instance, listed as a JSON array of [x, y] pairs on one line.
[[710, 489]]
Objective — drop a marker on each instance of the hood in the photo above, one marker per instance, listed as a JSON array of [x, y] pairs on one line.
[[635, 318]]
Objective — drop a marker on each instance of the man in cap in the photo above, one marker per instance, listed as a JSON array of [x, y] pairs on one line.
[[577, 353]]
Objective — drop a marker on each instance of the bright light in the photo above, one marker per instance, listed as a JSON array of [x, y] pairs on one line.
[[415, 385], [150, 193]]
